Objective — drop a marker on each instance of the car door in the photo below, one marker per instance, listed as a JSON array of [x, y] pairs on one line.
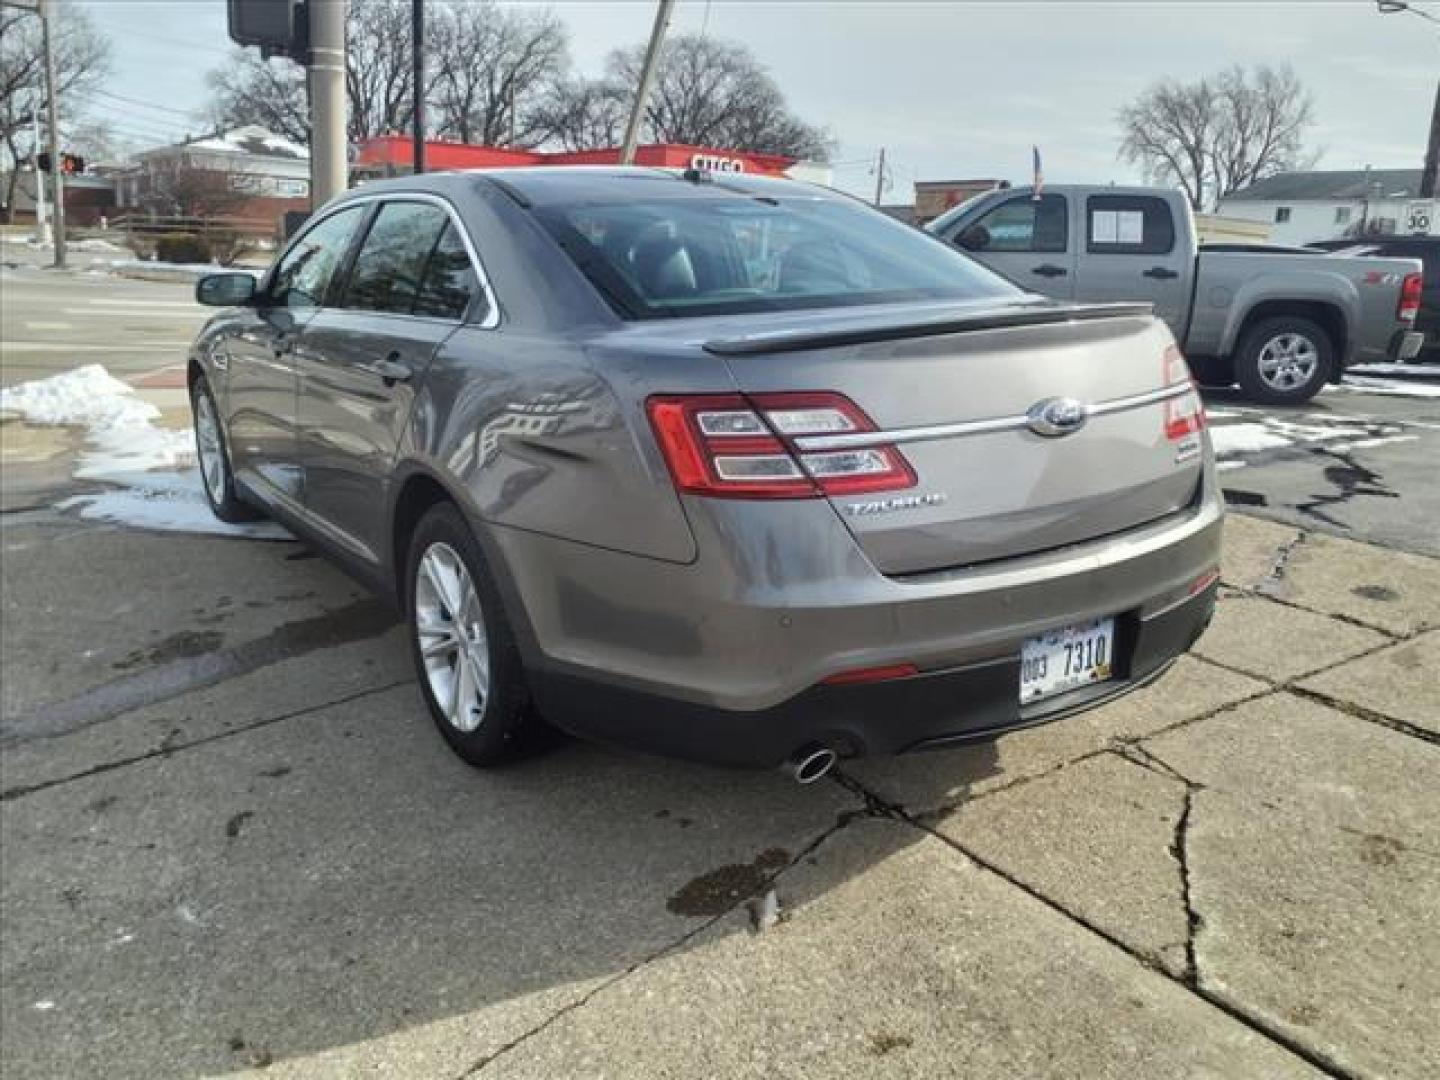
[[260, 383], [1133, 252], [410, 287], [1026, 240]]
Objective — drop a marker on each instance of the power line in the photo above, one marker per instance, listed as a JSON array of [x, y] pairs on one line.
[[157, 39], [143, 104]]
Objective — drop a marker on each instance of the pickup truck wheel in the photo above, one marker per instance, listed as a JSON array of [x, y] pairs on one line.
[[1284, 360]]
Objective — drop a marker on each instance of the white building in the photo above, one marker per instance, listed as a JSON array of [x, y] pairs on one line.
[[248, 171], [1301, 207]]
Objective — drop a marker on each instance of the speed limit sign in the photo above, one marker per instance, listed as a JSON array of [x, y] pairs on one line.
[[1419, 217]]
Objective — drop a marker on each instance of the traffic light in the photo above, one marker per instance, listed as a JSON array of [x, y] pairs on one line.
[[70, 164], [278, 27]]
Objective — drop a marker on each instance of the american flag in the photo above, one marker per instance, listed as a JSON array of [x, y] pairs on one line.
[[1039, 173]]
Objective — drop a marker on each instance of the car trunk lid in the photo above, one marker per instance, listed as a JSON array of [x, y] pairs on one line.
[[1027, 426]]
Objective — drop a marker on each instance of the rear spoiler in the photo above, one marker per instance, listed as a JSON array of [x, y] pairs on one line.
[[892, 327]]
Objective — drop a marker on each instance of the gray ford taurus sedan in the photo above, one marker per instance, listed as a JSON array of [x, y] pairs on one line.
[[724, 467]]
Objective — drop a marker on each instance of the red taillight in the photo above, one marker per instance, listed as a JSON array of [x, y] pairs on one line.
[[1410, 291], [743, 447], [1184, 415]]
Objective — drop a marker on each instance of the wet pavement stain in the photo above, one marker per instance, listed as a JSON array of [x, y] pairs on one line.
[[721, 889], [192, 670], [236, 823], [182, 646], [1375, 592]]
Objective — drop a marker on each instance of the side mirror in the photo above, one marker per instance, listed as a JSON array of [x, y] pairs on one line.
[[225, 290], [974, 238]]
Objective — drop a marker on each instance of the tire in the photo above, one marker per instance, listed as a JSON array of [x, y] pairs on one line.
[[212, 452], [483, 729], [1284, 360]]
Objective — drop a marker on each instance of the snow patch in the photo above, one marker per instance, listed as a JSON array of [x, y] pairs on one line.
[[1245, 439], [158, 486], [1359, 384]]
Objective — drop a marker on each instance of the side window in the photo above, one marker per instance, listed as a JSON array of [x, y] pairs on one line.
[[449, 281], [1282, 215], [1020, 224], [303, 275], [392, 259], [1128, 225]]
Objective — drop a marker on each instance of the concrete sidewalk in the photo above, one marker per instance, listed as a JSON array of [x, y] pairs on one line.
[[277, 865]]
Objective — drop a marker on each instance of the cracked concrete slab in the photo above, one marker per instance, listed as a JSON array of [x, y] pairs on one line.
[[1392, 590], [1312, 852], [1248, 557], [1276, 642], [1097, 839], [942, 778], [280, 690], [900, 957], [340, 878], [98, 604], [1401, 682]]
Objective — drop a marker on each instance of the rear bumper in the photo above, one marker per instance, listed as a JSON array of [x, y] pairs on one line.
[[1406, 345], [935, 708]]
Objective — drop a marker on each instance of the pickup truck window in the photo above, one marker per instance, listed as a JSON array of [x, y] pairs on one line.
[[1128, 225], [1023, 223]]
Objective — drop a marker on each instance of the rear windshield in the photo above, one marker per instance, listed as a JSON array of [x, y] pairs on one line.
[[738, 253]]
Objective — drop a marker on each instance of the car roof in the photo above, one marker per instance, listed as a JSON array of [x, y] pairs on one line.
[[543, 185]]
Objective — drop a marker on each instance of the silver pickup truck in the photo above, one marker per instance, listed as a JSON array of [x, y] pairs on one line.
[[1280, 322]]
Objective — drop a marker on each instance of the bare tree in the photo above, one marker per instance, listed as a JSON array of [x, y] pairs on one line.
[[82, 59], [270, 93], [583, 114], [708, 92], [1265, 115], [492, 67], [1218, 134], [249, 90]]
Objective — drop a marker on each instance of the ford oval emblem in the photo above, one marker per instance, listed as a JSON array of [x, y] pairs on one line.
[[1056, 416]]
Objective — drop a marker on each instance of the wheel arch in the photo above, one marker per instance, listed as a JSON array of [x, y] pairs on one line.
[[415, 488], [1329, 316]]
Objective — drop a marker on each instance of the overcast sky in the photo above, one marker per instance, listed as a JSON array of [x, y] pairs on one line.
[[952, 90]]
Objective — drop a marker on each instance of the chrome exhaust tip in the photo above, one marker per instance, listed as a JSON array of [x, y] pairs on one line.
[[811, 764]]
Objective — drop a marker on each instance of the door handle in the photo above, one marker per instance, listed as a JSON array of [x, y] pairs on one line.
[[1049, 270], [392, 371], [1161, 273]]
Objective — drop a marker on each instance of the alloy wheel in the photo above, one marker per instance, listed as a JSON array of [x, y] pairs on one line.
[[1288, 361], [209, 448], [450, 632]]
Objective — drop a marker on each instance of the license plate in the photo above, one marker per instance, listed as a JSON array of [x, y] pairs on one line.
[[1066, 658]]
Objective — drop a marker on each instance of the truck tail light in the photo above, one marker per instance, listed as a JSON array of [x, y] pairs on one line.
[[1410, 291], [743, 447]]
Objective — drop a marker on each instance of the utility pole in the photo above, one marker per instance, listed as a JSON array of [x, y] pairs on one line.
[[52, 92], [1431, 173], [647, 81], [417, 62], [880, 177], [328, 164]]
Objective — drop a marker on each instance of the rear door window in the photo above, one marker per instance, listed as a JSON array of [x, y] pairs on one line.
[[393, 258], [1128, 225], [449, 283]]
